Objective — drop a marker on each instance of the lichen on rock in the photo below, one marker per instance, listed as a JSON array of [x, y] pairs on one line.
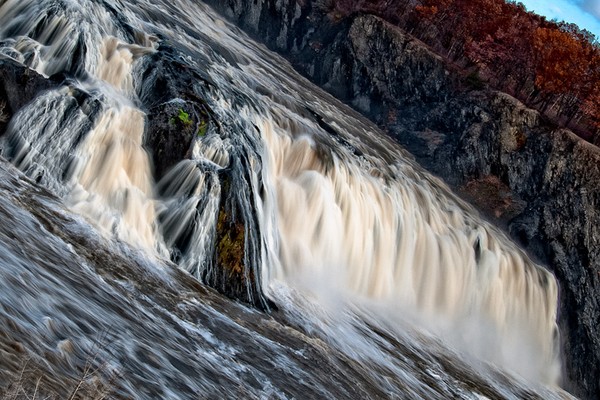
[[230, 245]]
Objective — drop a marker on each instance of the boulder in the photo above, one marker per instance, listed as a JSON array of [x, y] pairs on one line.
[[171, 94], [18, 86]]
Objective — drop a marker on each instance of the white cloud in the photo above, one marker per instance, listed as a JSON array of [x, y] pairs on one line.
[[585, 13], [556, 10]]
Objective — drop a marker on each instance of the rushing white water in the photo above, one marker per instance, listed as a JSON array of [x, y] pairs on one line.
[[331, 208]]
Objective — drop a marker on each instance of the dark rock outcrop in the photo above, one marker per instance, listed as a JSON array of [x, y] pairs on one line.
[[467, 136], [236, 264], [170, 131], [18, 86], [556, 175], [176, 113]]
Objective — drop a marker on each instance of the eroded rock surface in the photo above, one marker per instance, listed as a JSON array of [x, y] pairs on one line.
[[18, 86]]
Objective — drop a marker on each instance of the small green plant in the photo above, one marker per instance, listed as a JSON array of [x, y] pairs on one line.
[[202, 128], [184, 117]]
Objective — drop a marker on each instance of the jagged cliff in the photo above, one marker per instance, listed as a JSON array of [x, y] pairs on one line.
[[539, 182]]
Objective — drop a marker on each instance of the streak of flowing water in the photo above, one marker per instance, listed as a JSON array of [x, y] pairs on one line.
[[338, 223]]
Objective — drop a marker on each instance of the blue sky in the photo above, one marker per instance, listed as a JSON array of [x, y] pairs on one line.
[[585, 13]]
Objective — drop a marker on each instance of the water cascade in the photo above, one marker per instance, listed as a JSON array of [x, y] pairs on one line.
[[280, 193]]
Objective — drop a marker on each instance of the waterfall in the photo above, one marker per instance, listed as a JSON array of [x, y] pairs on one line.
[[277, 183]]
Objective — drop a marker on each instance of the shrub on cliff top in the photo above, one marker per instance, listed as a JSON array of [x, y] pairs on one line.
[[552, 67]]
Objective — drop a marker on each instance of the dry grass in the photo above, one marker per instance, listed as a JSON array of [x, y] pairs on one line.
[[34, 384], [38, 379]]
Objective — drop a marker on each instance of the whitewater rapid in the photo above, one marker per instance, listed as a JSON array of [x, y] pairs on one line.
[[334, 213]]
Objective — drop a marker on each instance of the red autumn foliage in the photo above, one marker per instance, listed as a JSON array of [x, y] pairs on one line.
[[553, 67]]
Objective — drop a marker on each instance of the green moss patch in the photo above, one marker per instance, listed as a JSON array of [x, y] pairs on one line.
[[182, 117]]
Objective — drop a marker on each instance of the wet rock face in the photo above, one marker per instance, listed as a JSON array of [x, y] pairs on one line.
[[283, 24], [170, 92], [178, 113], [18, 86], [556, 176], [235, 270], [231, 273], [170, 131], [467, 136]]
